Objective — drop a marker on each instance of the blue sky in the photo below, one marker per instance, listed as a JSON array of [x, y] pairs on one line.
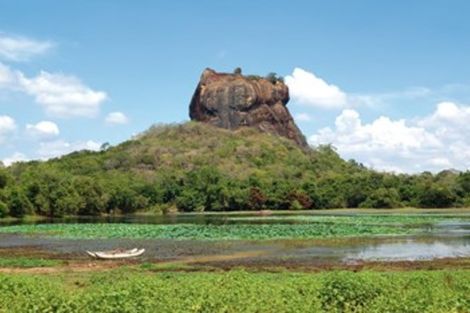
[[387, 83]]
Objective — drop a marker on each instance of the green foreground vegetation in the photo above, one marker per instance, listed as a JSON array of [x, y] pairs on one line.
[[307, 227], [133, 290], [196, 167]]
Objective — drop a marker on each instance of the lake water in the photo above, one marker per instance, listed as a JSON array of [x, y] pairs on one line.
[[448, 239]]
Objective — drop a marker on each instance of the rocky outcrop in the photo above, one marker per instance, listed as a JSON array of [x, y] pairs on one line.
[[233, 100]]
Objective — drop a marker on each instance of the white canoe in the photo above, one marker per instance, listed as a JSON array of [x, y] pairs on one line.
[[116, 254]]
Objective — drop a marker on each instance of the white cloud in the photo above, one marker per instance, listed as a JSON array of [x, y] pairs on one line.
[[378, 100], [302, 117], [60, 95], [116, 118], [7, 127], [16, 157], [43, 129], [57, 148], [7, 76], [434, 142], [448, 113], [7, 124], [15, 48], [440, 162], [51, 149], [382, 134], [398, 145], [308, 89]]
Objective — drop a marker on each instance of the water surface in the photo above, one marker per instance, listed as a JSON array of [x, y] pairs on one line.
[[446, 238]]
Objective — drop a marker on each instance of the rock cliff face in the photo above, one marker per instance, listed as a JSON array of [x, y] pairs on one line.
[[233, 100]]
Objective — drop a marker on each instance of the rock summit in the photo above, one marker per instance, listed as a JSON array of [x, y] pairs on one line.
[[233, 100]]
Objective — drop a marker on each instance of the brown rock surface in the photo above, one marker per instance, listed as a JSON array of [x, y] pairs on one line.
[[233, 100]]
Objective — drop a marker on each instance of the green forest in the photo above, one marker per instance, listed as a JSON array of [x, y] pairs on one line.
[[195, 167]]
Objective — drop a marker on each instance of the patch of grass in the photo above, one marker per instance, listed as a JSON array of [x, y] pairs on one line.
[[26, 262], [238, 291]]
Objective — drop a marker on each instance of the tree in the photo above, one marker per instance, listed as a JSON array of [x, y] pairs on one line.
[[202, 190], [298, 200], [277, 194], [190, 200], [125, 199], [50, 191], [3, 209], [4, 178], [330, 192], [382, 198], [436, 196], [237, 71], [18, 204], [105, 146], [463, 181], [356, 189], [310, 189], [237, 195], [408, 190], [167, 188], [257, 199], [94, 201], [69, 203]]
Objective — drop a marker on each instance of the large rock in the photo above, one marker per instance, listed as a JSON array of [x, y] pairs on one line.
[[233, 100]]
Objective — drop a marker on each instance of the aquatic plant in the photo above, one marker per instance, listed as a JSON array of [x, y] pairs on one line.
[[206, 232], [362, 219]]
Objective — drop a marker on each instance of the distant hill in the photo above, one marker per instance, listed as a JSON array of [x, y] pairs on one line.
[[195, 167]]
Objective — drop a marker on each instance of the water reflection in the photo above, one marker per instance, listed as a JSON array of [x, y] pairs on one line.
[[411, 250]]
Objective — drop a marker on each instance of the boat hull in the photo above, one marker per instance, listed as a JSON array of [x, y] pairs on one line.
[[112, 255]]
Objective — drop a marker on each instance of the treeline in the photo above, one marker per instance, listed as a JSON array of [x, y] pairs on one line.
[[193, 167]]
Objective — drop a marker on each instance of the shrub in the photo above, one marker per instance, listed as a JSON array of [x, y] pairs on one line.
[[273, 78], [343, 291]]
